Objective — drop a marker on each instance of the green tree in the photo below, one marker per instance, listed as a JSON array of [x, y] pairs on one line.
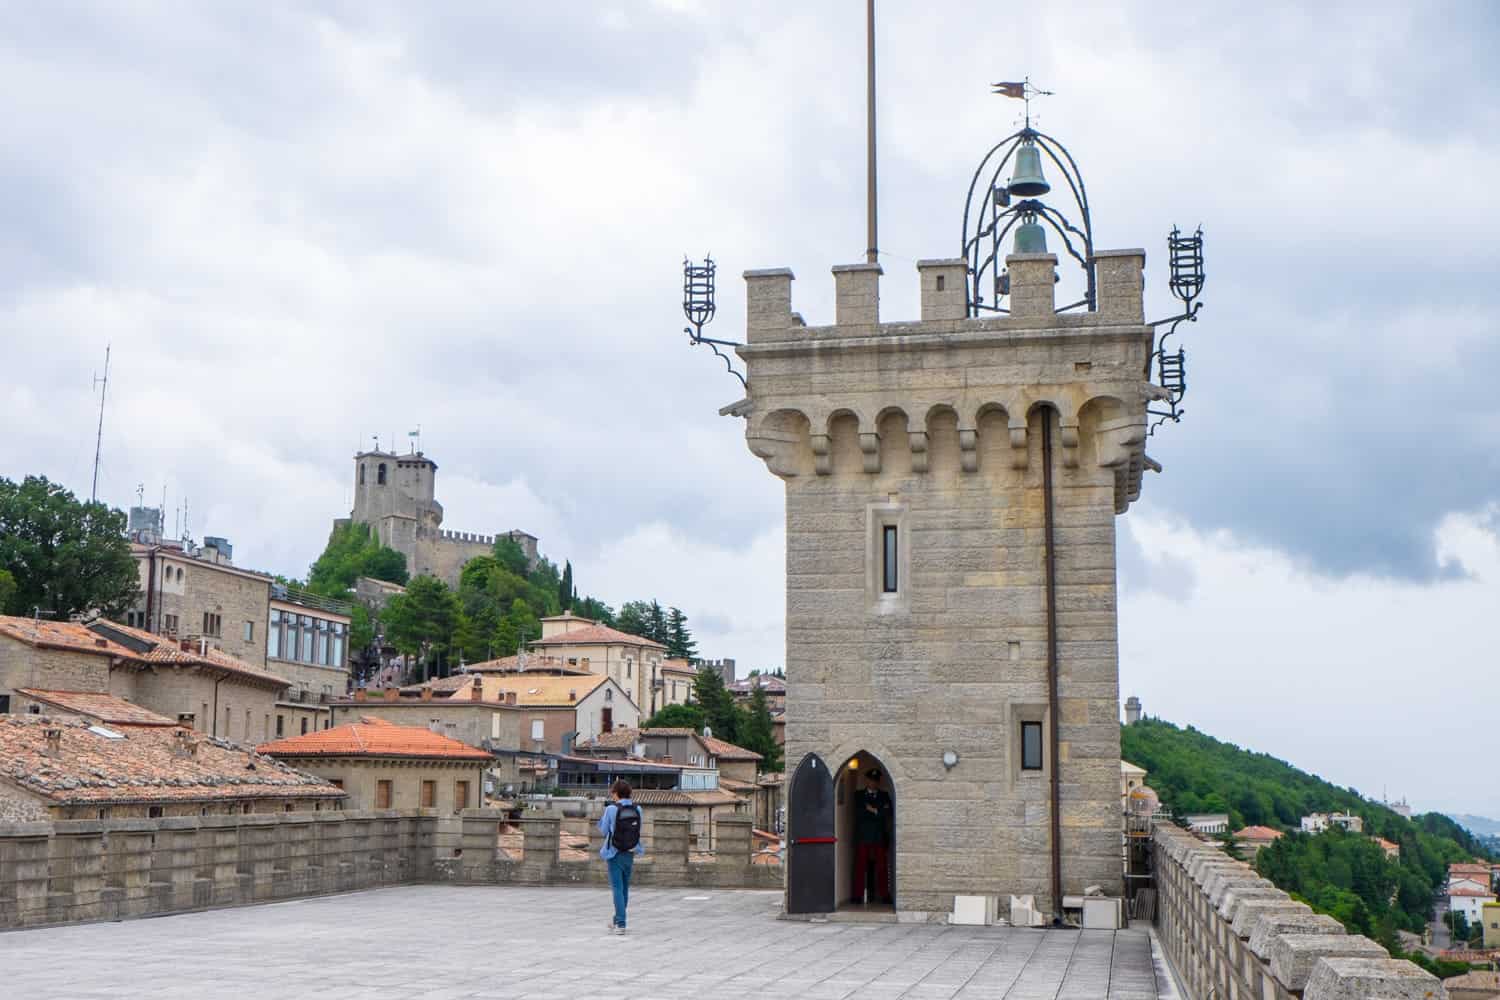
[[7, 588], [422, 622], [511, 555], [677, 717], [656, 623], [566, 595], [719, 710], [632, 618], [595, 610], [757, 732], [63, 555], [352, 552], [679, 641]]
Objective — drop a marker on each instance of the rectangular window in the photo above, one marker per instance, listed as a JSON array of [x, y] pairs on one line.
[[273, 635], [4, 704], [460, 795], [249, 631], [307, 641], [382, 795], [304, 727], [429, 794], [212, 624], [280, 726], [538, 729], [169, 624], [1031, 746], [888, 556], [494, 725], [338, 644]]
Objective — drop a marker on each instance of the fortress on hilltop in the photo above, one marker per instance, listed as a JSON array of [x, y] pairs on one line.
[[395, 495]]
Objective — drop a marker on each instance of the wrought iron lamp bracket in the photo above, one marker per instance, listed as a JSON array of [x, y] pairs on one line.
[[699, 307]]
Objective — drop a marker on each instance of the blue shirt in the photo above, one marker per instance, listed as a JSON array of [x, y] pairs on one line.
[[607, 827]]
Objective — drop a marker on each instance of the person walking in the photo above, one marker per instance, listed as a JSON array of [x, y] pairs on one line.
[[621, 826]]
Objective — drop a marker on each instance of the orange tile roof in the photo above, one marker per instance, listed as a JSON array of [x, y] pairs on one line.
[[372, 737], [97, 705], [728, 751], [1257, 833], [534, 691], [596, 635], [141, 764], [168, 651], [60, 635], [1385, 843], [1461, 891]]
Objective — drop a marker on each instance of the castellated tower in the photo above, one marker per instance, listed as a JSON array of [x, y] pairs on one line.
[[935, 471], [396, 496]]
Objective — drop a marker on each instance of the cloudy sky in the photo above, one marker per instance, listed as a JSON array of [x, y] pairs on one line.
[[302, 227]]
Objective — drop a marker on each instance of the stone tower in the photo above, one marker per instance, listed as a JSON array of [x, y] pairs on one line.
[[1132, 710], [934, 470]]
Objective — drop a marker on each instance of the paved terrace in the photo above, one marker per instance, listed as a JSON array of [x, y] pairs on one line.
[[551, 944]]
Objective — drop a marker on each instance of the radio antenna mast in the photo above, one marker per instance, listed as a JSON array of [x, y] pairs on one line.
[[103, 384]]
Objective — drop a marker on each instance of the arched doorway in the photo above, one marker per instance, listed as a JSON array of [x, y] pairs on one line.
[[811, 847], [865, 832]]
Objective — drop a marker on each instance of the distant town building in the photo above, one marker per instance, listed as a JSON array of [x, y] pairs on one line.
[[1401, 808], [1132, 710], [1489, 914], [396, 496], [1207, 824], [773, 686], [385, 766], [1392, 851], [677, 682], [1252, 839], [1473, 986], [1318, 822], [599, 704], [1131, 778], [633, 662], [72, 765], [1464, 898], [1480, 873], [724, 668], [184, 680]]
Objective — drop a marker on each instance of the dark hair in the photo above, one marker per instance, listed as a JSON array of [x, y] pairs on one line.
[[621, 787]]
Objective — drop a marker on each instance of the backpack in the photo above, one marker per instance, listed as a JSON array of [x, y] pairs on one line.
[[627, 832]]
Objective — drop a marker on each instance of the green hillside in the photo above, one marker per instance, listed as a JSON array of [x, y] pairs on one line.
[[1345, 875]]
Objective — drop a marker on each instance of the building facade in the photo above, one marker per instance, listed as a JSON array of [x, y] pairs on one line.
[[942, 478], [396, 495], [631, 661]]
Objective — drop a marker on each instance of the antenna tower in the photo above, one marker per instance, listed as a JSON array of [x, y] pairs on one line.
[[103, 384]]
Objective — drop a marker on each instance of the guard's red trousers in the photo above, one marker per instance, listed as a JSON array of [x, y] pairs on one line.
[[880, 855]]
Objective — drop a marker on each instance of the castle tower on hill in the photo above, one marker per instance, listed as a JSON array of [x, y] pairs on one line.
[[396, 496], [937, 474]]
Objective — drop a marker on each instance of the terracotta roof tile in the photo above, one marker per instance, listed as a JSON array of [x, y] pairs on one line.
[[596, 635], [97, 705], [372, 737], [59, 635], [1257, 833], [168, 651], [141, 764], [1461, 891], [728, 751], [534, 691]]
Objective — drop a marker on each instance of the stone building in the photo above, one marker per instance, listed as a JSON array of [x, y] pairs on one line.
[[382, 765], [677, 678], [598, 703], [942, 476], [396, 495], [72, 767], [184, 680], [633, 662]]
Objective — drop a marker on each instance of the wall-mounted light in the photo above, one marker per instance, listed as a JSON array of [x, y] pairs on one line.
[[950, 759], [854, 764]]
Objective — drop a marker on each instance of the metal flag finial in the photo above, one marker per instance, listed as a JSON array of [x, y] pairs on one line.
[[1022, 90]]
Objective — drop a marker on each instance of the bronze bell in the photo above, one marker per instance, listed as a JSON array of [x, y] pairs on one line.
[[1031, 238], [1027, 181]]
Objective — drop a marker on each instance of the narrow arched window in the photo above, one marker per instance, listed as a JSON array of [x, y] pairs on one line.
[[361, 474], [380, 475]]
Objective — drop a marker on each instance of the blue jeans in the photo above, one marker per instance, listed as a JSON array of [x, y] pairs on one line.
[[620, 867]]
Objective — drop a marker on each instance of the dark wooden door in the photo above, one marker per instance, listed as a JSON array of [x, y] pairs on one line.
[[811, 844], [607, 719]]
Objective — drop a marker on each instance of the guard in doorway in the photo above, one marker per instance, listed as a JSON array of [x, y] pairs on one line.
[[872, 837], [621, 826]]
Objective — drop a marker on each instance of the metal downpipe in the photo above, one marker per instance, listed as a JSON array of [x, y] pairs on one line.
[[1050, 546]]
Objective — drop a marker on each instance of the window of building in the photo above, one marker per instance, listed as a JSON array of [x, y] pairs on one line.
[[1031, 746], [247, 808], [361, 473], [212, 624], [306, 652], [249, 631], [609, 694], [179, 574], [460, 795], [889, 569], [304, 727], [572, 661], [322, 652], [629, 665], [429, 794], [280, 726], [153, 812], [382, 788], [380, 475], [337, 656], [273, 635], [328, 721], [538, 729], [4, 704], [169, 624]]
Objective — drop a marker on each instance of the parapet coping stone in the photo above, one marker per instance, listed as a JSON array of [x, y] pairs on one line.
[[1237, 894], [1248, 911], [1271, 926], [1197, 864], [1217, 886], [1371, 979], [1293, 956]]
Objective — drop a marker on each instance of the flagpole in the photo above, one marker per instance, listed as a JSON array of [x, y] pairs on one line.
[[871, 252]]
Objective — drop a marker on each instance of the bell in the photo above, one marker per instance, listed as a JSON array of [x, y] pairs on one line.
[[1031, 238], [1027, 181]]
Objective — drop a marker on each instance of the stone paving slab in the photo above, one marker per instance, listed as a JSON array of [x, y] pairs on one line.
[[492, 942]]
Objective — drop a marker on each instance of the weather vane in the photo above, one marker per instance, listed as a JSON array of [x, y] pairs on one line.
[[698, 306], [1022, 91]]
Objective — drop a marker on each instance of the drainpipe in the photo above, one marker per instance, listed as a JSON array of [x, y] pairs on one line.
[[1050, 544], [150, 585], [215, 730]]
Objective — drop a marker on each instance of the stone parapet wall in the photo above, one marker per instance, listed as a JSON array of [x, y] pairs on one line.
[[75, 871], [1231, 935]]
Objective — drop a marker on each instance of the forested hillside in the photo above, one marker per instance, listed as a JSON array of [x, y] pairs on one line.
[[1345, 875]]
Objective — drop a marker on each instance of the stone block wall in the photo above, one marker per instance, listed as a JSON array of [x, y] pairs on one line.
[[74, 871], [23, 666], [1231, 935]]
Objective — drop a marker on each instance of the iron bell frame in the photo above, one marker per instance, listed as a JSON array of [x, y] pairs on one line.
[[990, 214]]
